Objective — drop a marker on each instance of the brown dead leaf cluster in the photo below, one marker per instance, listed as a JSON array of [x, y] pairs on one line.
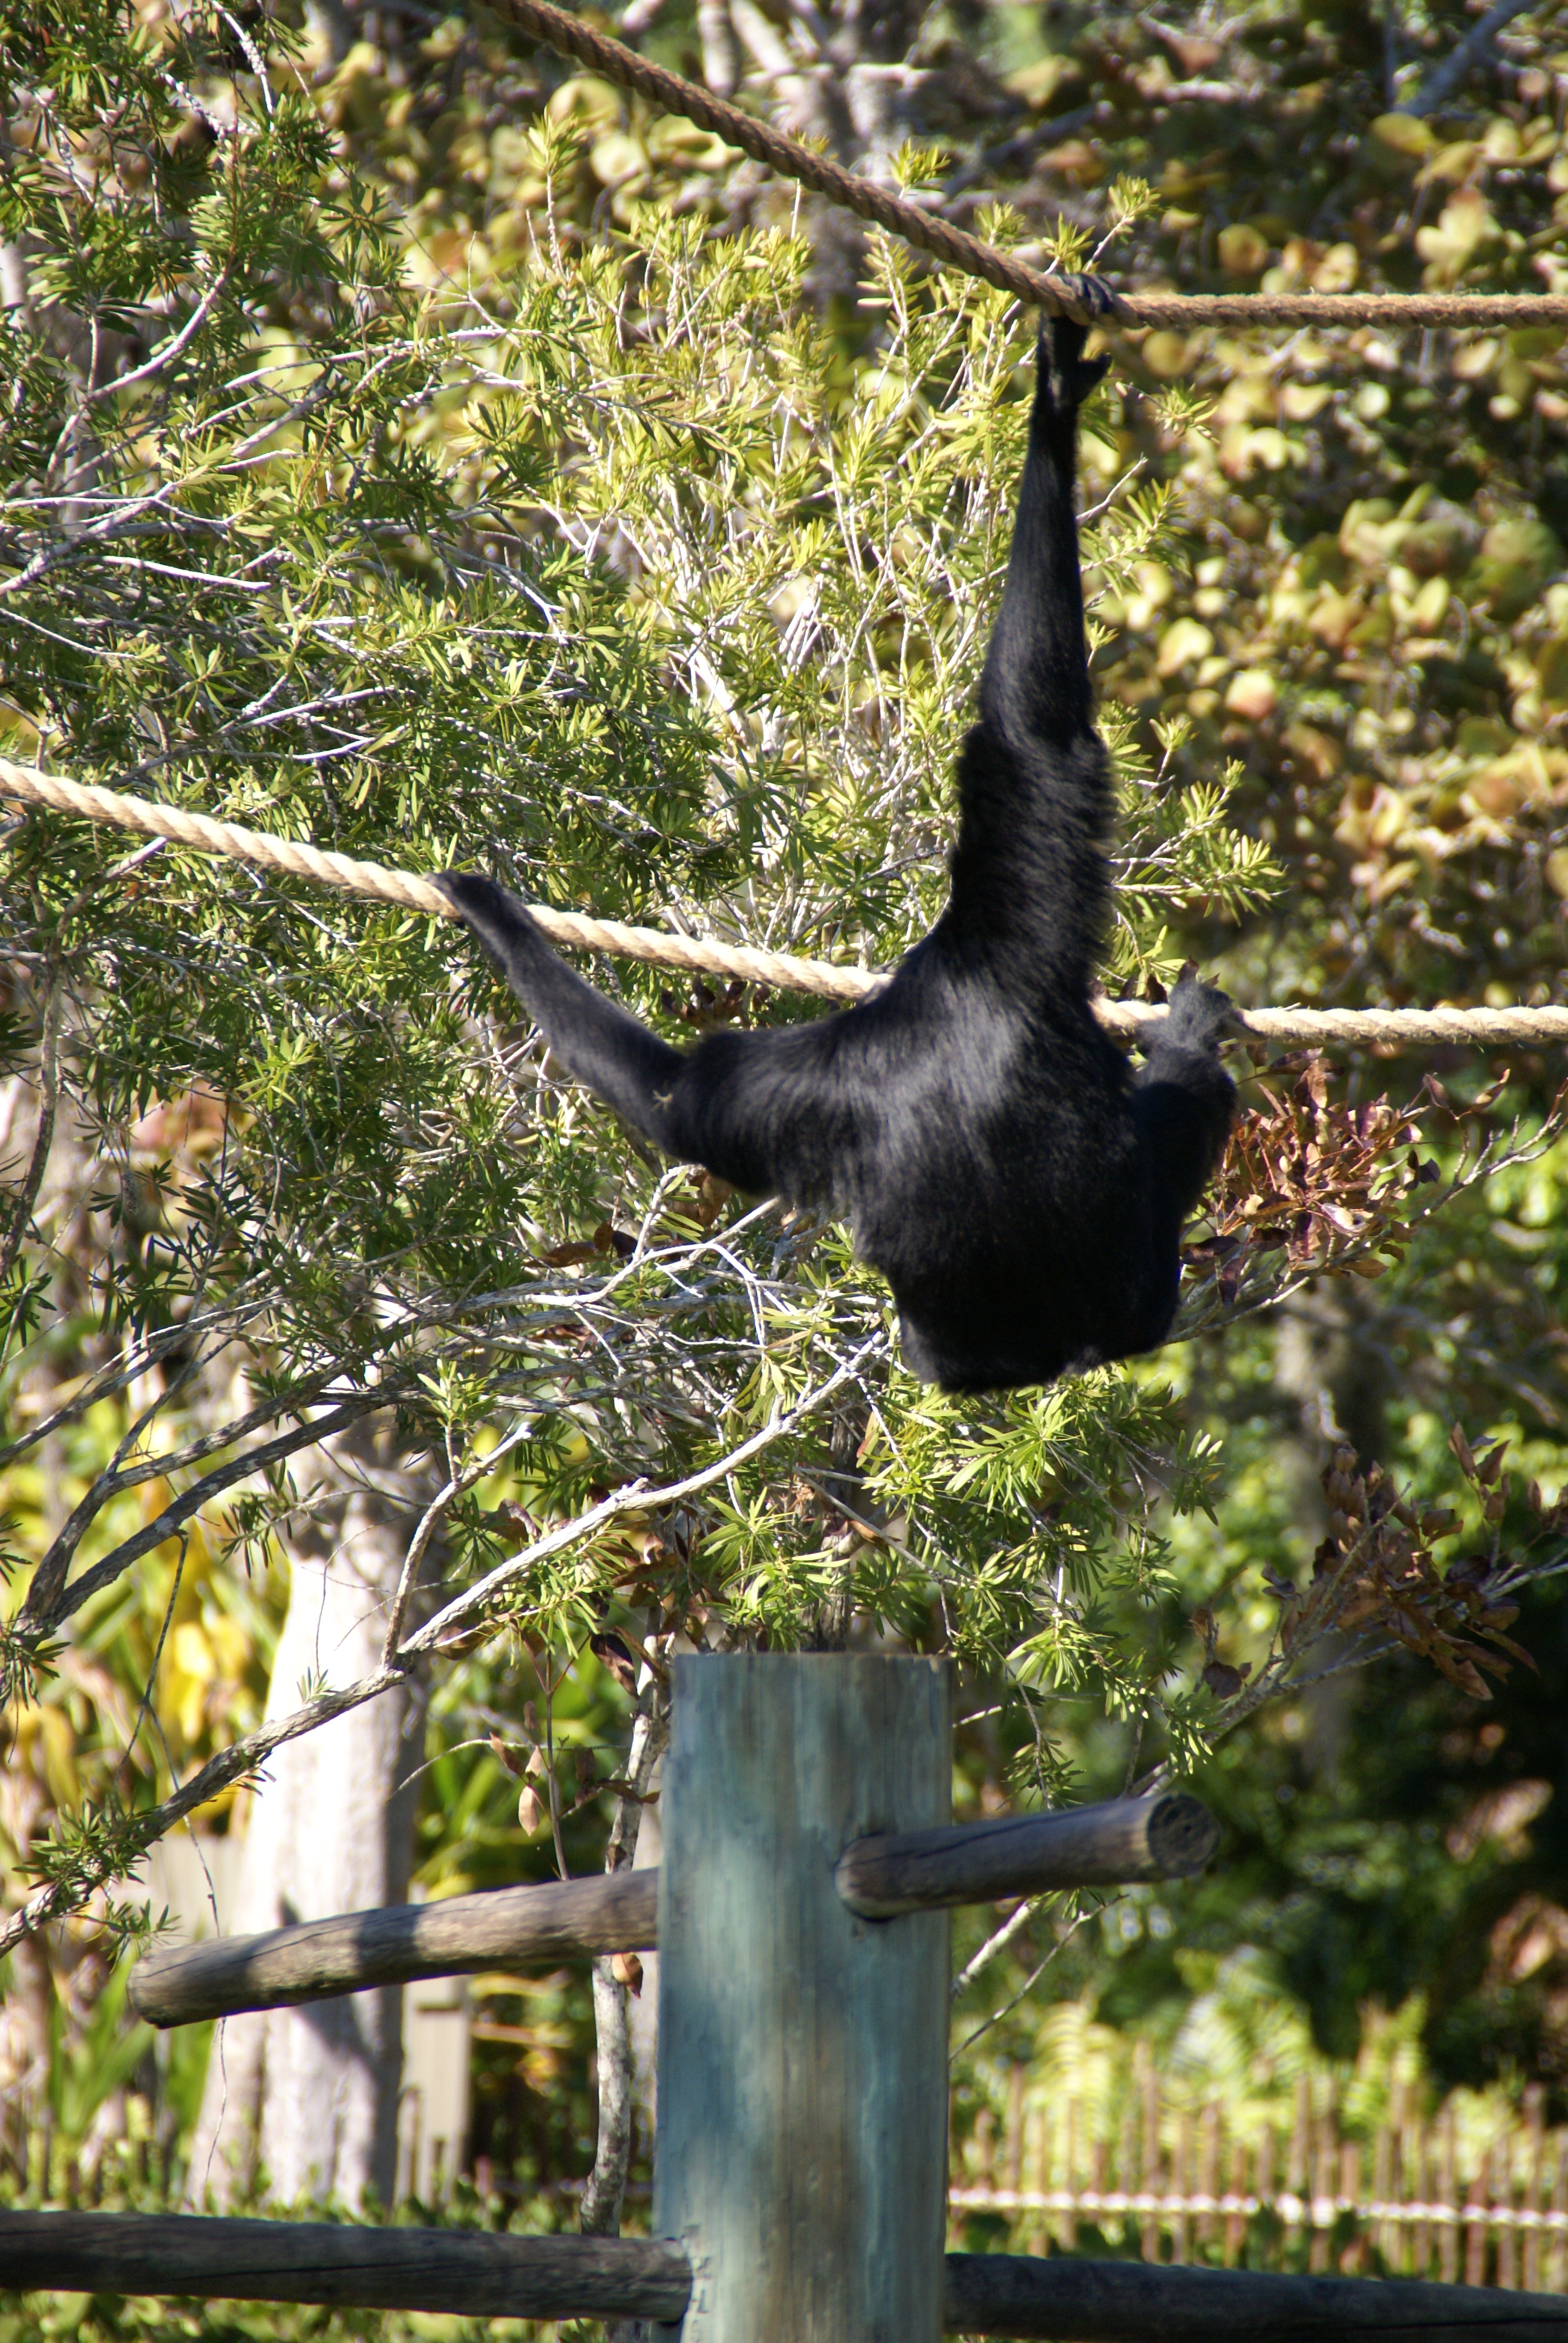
[[1327, 1184], [605, 1240], [1377, 1569]]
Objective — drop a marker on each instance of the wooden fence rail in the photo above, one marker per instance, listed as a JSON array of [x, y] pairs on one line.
[[476, 2274], [1165, 1837], [396, 1944]]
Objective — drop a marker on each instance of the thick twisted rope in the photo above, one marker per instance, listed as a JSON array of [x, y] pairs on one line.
[[406, 888], [871, 201], [1406, 1028]]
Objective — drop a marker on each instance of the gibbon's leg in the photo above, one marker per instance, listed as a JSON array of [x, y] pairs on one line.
[[597, 1042], [1028, 868], [1182, 1098]]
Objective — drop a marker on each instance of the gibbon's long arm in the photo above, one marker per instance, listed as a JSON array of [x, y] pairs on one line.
[[597, 1042], [766, 1111]]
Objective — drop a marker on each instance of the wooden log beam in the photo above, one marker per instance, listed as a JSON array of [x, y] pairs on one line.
[[478, 2276], [1140, 2302], [471, 2276], [878, 1876], [614, 1912], [1128, 1839]]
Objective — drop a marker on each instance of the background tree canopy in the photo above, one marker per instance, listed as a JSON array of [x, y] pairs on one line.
[[415, 446]]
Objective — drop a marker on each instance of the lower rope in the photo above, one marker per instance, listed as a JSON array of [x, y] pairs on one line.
[[1404, 1027]]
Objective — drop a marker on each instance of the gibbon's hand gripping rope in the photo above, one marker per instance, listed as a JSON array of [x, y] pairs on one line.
[[1411, 1028], [932, 234]]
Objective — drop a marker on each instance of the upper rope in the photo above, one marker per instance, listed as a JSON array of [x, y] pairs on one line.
[[872, 201]]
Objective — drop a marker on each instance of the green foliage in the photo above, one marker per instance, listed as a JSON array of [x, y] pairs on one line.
[[616, 584]]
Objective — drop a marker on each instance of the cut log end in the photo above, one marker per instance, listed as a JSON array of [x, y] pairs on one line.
[[1182, 1836]]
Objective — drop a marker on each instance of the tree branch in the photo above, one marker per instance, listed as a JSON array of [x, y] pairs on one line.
[[50, 1601], [49, 1100], [126, 1844], [418, 1544], [1441, 83], [635, 1497], [606, 2190]]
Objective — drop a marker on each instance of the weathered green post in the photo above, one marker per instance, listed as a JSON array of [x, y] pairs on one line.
[[802, 2051]]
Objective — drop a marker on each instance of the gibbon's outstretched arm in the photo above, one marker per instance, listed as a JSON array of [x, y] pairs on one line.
[[1022, 1193], [766, 1109], [599, 1043]]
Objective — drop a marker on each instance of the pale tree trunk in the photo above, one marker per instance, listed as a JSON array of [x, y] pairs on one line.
[[309, 2097], [1331, 1357], [844, 72], [616, 2057]]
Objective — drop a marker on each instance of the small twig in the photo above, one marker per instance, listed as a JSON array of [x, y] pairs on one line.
[[1441, 83], [1029, 1983], [1108, 498], [552, 1787], [170, 350], [998, 1942], [456, 1487], [48, 1104], [111, 523]]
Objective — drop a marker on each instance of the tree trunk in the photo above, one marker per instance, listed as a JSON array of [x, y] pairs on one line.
[[307, 2098]]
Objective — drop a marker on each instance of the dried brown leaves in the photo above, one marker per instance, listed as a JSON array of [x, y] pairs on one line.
[[1311, 1188], [1324, 1184], [1376, 1569]]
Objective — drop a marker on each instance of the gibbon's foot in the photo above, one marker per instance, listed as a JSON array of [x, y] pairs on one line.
[[1091, 293], [1061, 360], [1200, 1014]]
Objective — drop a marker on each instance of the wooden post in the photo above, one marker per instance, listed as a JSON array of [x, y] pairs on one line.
[[802, 2050]]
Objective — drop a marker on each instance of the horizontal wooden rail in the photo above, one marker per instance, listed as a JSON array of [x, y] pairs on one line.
[[614, 1912], [1025, 1855], [1132, 2302], [472, 2275], [963, 1862], [479, 2275]]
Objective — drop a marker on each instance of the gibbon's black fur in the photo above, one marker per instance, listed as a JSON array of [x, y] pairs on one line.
[[1021, 1191]]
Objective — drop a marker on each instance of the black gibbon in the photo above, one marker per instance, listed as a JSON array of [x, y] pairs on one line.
[[1022, 1190]]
